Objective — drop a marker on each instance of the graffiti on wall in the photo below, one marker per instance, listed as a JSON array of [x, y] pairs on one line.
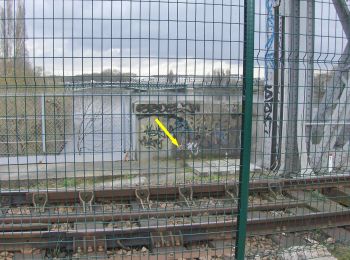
[[196, 133], [146, 110], [152, 137]]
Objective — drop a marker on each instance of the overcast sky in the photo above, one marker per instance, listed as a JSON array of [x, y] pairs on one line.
[[150, 37]]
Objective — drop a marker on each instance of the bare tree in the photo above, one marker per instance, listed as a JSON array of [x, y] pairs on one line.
[[6, 28], [38, 71], [13, 39], [20, 50], [6, 31], [221, 77], [87, 126]]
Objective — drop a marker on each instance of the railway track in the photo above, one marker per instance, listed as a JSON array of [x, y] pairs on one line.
[[73, 195], [161, 219]]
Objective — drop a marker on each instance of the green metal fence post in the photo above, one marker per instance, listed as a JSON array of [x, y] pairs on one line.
[[247, 103]]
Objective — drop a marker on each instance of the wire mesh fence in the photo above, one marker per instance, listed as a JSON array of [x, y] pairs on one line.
[[31, 125], [198, 129]]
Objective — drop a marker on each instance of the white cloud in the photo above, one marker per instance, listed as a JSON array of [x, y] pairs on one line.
[[148, 38]]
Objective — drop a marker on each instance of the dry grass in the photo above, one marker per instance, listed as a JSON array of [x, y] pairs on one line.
[[21, 124], [341, 252]]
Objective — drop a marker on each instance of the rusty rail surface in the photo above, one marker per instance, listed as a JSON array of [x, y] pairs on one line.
[[8, 198], [204, 231]]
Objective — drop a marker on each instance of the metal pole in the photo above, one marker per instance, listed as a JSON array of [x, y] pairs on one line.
[[269, 69], [292, 161], [43, 127], [275, 102], [247, 103], [306, 121]]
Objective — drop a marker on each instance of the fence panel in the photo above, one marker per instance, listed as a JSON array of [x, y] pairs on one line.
[[197, 129], [301, 67], [95, 175]]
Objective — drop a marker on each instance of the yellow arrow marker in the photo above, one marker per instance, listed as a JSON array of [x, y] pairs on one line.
[[173, 139]]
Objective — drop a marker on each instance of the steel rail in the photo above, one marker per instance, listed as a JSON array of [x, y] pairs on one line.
[[8, 198], [191, 232], [10, 219]]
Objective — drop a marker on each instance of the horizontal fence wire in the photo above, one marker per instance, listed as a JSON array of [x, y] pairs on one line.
[[125, 129]]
